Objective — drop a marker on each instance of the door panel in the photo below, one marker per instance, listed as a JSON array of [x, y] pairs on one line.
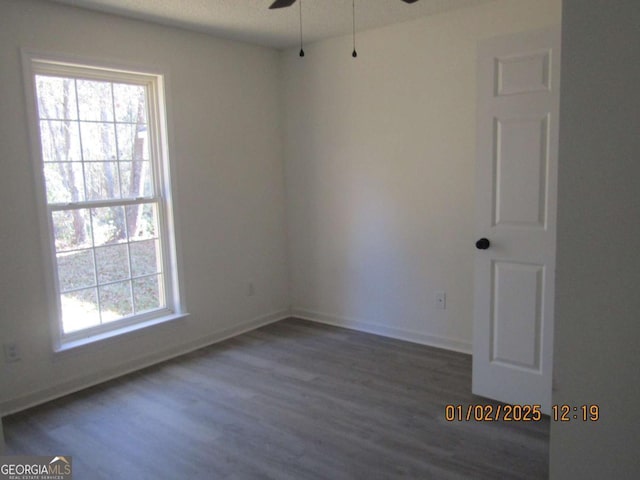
[[516, 182], [516, 315], [525, 73], [521, 146]]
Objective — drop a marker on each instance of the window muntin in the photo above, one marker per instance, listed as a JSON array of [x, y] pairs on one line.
[[105, 190]]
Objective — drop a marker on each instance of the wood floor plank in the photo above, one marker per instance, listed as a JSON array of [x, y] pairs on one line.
[[293, 400]]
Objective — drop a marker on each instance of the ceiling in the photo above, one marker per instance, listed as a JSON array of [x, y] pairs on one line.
[[251, 20]]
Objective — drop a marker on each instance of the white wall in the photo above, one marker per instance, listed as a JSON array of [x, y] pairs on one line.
[[380, 158], [597, 357], [227, 154]]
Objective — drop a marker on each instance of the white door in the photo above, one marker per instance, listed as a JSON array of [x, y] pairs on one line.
[[516, 183]]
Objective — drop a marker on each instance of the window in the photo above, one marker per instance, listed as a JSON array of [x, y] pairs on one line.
[[105, 176]]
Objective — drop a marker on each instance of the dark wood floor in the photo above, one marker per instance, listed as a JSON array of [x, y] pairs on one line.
[[293, 400]]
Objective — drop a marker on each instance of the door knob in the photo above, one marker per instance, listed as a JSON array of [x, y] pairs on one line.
[[483, 244]]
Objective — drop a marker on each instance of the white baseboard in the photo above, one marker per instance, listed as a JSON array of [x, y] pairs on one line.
[[70, 386], [400, 334]]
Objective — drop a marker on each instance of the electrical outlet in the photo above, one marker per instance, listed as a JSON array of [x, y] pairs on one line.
[[441, 300], [11, 352], [251, 290]]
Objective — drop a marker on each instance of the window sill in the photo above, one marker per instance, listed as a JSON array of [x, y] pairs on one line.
[[70, 345]]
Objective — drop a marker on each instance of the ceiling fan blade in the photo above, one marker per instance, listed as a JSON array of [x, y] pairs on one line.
[[281, 4], [409, 1]]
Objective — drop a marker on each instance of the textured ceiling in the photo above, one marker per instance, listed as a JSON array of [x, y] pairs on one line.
[[251, 20]]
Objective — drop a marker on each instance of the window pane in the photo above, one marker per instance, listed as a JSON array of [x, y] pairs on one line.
[[95, 100], [147, 293], [102, 180], [143, 223], [132, 142], [98, 141], [60, 141], [75, 270], [115, 301], [145, 258], [79, 310], [64, 182], [126, 141], [130, 103], [136, 179], [112, 263], [56, 97], [71, 229], [108, 225], [143, 137]]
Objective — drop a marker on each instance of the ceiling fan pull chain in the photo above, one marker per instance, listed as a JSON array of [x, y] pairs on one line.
[[354, 54], [301, 49], [287, 3]]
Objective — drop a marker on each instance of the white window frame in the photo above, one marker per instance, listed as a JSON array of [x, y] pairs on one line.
[[35, 63]]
